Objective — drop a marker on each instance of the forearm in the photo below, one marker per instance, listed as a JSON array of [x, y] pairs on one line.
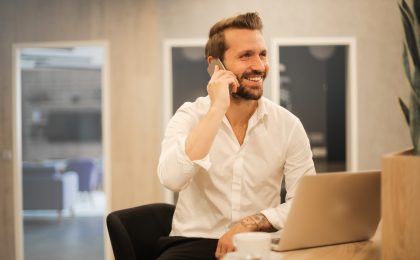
[[257, 222], [201, 138]]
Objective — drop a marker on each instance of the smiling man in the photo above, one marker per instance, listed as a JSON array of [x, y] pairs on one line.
[[227, 153]]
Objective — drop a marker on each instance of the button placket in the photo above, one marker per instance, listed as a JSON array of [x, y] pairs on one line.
[[237, 187]]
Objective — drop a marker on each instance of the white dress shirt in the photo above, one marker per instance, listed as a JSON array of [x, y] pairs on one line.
[[233, 181]]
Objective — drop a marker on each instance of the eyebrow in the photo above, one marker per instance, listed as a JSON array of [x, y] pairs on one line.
[[251, 51]]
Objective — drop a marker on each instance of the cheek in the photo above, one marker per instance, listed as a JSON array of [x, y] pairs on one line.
[[267, 68], [236, 68], [239, 70]]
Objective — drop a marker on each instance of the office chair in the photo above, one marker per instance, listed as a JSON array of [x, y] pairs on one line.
[[134, 231]]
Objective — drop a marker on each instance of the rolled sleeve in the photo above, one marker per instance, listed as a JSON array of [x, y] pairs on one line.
[[188, 165], [277, 216], [175, 169]]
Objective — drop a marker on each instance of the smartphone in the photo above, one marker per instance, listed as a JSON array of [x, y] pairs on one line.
[[213, 63]]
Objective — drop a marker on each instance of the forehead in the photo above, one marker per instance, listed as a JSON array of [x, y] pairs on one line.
[[238, 40]]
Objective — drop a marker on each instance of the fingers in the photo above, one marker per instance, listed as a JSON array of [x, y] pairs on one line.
[[225, 76], [220, 86], [223, 248], [234, 87], [221, 73], [219, 251]]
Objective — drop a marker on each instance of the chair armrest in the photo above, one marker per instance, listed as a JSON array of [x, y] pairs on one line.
[[134, 231]]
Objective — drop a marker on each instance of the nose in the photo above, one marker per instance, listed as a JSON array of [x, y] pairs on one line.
[[258, 64]]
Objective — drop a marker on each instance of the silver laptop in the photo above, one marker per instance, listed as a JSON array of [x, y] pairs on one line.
[[332, 208]]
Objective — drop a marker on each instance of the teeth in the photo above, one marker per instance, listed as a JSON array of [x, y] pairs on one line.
[[255, 79]]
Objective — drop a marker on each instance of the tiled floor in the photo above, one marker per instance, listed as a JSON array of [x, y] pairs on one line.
[[79, 237], [72, 238]]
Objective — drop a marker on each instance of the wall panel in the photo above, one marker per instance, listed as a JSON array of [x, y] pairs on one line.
[[131, 29]]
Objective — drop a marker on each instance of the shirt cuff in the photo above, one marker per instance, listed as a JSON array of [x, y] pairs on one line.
[[276, 216], [187, 164]]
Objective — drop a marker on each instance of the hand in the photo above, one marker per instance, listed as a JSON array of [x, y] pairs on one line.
[[218, 87], [225, 244], [257, 222]]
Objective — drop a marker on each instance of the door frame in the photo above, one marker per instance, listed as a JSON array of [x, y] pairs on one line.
[[352, 138], [17, 130]]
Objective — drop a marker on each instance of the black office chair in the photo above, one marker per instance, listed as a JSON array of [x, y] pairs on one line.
[[134, 231]]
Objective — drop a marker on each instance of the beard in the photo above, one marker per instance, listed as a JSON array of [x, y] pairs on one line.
[[249, 93], [245, 94]]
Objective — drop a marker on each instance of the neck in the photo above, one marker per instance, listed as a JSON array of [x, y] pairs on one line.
[[240, 111]]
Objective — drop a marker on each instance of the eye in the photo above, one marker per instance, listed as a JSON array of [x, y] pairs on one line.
[[263, 54], [246, 55]]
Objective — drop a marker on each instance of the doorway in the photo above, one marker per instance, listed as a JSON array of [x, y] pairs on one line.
[[315, 79], [61, 117]]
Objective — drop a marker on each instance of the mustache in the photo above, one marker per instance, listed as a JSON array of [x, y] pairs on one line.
[[254, 73]]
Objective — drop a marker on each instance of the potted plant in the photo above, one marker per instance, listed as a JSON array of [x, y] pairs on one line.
[[401, 171]]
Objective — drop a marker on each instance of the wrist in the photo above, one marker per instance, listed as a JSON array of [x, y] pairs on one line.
[[257, 222], [249, 225]]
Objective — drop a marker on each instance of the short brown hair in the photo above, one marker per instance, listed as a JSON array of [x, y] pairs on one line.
[[216, 45]]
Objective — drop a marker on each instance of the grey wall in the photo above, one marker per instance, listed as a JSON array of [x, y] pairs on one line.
[[376, 26], [53, 90]]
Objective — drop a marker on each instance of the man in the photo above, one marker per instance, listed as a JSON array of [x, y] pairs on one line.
[[227, 153]]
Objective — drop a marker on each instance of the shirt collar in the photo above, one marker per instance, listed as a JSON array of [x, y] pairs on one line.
[[261, 109]]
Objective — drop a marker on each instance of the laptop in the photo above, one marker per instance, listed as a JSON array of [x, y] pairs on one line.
[[332, 208]]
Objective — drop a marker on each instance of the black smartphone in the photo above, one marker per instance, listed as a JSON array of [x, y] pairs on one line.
[[213, 63]]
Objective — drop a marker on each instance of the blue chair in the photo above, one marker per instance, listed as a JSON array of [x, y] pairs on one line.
[[86, 169]]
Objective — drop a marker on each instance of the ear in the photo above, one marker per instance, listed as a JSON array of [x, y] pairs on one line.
[[210, 59]]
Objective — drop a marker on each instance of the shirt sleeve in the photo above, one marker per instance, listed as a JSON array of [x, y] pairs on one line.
[[175, 169], [297, 164]]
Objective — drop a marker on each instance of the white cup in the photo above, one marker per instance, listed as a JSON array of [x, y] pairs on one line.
[[253, 245]]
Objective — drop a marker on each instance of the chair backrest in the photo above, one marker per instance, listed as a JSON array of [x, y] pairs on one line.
[[134, 231], [85, 168]]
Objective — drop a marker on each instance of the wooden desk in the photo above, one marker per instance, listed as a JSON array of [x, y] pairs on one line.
[[366, 250]]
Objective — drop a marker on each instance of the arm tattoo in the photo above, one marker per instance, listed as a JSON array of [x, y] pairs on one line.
[[258, 222]]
